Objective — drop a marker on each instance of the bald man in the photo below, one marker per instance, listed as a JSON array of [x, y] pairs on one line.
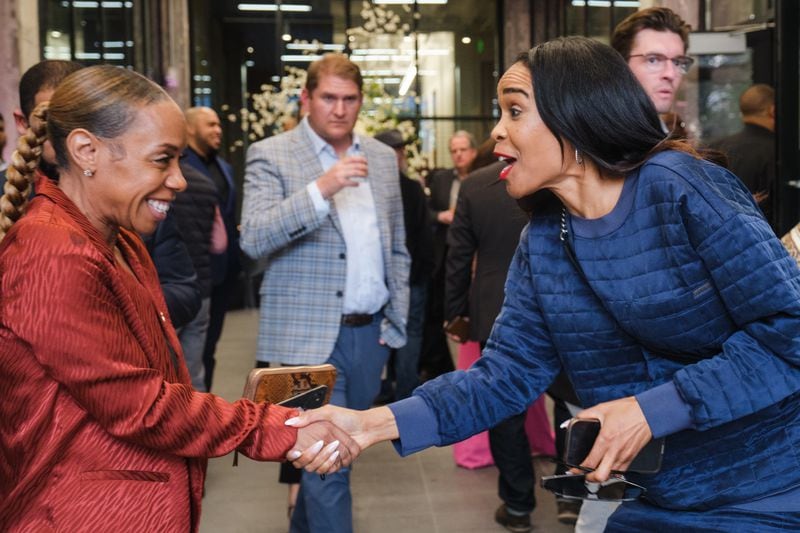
[[204, 133], [751, 152]]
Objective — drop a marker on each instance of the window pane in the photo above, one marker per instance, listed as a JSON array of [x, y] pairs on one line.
[[600, 23], [55, 21]]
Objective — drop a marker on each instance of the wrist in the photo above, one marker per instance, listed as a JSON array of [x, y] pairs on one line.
[[322, 189], [380, 425]]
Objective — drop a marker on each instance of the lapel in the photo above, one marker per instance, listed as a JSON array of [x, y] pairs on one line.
[[375, 175], [309, 167], [227, 173]]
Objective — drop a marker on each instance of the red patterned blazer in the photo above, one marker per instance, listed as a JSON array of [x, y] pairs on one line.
[[100, 429]]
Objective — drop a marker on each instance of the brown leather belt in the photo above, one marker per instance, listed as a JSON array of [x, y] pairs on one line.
[[356, 320]]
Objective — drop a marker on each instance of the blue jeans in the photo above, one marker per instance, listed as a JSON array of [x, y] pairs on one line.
[[406, 359], [193, 340], [326, 505]]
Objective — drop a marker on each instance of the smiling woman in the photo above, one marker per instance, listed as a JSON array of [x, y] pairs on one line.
[[101, 428]]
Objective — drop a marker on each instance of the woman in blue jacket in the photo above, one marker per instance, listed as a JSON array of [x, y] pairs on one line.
[[651, 278]]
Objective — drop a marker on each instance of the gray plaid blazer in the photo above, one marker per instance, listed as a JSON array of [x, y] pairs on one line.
[[304, 280]]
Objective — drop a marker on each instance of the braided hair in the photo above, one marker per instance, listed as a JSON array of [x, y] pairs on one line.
[[21, 170]]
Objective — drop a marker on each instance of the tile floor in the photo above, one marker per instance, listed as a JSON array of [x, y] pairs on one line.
[[423, 493]]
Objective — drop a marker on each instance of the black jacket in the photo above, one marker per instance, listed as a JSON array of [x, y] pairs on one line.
[[175, 271], [439, 183], [751, 156], [194, 212], [488, 223], [419, 239]]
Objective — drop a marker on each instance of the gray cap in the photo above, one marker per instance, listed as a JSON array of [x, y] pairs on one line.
[[392, 138]]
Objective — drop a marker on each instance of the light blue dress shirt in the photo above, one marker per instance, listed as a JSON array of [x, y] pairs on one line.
[[365, 286]]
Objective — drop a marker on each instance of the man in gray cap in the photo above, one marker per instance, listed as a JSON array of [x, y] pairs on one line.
[[419, 242]]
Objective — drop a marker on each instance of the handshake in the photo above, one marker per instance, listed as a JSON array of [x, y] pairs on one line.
[[330, 438]]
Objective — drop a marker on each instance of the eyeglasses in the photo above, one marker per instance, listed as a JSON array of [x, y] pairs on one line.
[[657, 62], [575, 487]]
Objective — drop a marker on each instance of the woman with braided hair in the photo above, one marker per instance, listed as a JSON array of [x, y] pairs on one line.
[[101, 428]]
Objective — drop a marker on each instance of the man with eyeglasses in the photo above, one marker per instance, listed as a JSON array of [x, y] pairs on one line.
[[654, 43]]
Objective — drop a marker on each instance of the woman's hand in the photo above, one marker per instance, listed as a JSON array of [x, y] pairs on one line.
[[365, 428], [623, 433], [323, 448]]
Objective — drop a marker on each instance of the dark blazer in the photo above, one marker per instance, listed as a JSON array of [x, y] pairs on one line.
[[419, 239], [488, 223], [227, 264], [175, 271], [439, 183], [751, 156]]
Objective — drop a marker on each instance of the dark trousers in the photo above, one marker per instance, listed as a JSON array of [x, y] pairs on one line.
[[560, 415], [512, 456], [435, 357], [220, 296]]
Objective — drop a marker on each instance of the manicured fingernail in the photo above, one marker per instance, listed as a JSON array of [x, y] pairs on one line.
[[334, 456], [332, 446], [294, 454], [316, 447], [292, 421]]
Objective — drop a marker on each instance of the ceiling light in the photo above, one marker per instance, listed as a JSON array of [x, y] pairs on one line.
[[295, 8], [409, 1], [315, 46], [307, 58]]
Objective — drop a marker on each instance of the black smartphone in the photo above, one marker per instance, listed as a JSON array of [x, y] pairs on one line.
[[310, 399], [581, 434], [648, 460]]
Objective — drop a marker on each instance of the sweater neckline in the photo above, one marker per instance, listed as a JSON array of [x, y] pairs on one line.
[[610, 222]]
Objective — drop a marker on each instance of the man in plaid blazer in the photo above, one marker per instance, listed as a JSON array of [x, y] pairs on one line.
[[323, 206]]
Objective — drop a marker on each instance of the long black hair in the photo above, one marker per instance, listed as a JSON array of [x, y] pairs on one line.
[[586, 94]]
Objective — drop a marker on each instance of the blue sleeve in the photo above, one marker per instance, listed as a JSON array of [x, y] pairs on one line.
[[517, 365], [416, 423], [759, 284], [666, 412]]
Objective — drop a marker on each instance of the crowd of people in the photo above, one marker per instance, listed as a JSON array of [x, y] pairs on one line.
[[592, 251]]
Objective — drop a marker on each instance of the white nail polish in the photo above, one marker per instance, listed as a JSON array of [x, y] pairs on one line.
[[294, 454], [334, 456], [292, 421], [316, 447], [332, 446]]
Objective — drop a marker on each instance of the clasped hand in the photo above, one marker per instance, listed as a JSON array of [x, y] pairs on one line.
[[624, 431], [356, 430], [322, 447]]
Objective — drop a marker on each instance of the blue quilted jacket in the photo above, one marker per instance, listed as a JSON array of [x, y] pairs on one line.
[[702, 293]]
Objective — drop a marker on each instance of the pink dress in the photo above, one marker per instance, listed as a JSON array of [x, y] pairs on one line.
[[474, 452]]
